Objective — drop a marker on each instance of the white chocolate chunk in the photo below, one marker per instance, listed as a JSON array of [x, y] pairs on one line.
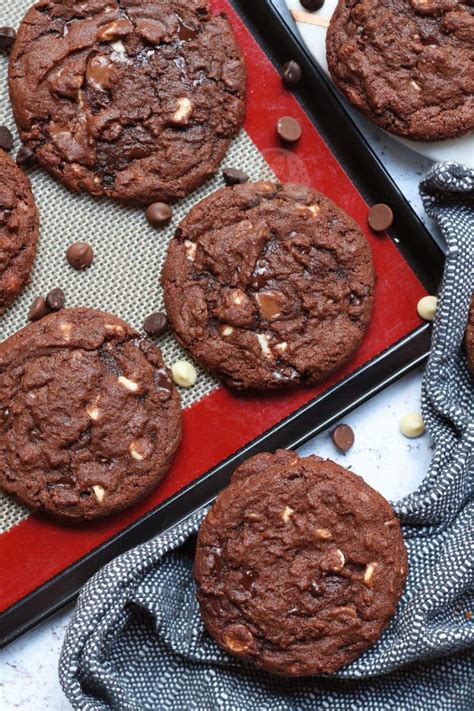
[[114, 328], [341, 560], [183, 112], [281, 347], [314, 209], [238, 297], [66, 329], [226, 330], [426, 307], [99, 492], [93, 412], [369, 574], [191, 248], [129, 384], [415, 85], [287, 514], [264, 341], [136, 454], [184, 373], [412, 425]]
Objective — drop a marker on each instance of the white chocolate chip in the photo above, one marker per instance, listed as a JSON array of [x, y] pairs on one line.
[[129, 384], [369, 574], [341, 560], [183, 112], [99, 493], [93, 412], [287, 514], [264, 341], [119, 47], [412, 425], [114, 328], [184, 373], [314, 209], [135, 453], [66, 329], [281, 347], [426, 307], [226, 330], [415, 85], [191, 248], [323, 533], [238, 297]]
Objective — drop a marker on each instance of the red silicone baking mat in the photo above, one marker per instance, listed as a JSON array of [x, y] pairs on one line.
[[36, 550]]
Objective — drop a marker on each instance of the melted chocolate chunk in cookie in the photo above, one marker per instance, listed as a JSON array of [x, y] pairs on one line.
[[299, 565], [91, 416], [407, 64], [269, 286], [19, 228], [137, 101]]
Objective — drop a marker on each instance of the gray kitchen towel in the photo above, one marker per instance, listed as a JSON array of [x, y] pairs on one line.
[[136, 640]]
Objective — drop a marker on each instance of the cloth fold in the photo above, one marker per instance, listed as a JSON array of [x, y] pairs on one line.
[[137, 642]]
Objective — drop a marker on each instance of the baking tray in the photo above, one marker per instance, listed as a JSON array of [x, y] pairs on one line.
[[43, 563]]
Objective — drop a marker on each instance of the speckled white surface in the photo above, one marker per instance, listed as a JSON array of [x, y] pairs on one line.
[[388, 461]]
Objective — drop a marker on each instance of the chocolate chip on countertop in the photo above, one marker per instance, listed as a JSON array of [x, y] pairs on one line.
[[343, 437], [291, 73], [380, 217], [55, 299], [80, 255], [6, 138], [158, 214], [7, 38], [155, 324], [288, 129], [234, 176], [38, 309], [25, 157], [312, 5]]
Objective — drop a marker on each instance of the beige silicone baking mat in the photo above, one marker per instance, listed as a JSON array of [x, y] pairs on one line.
[[124, 278]]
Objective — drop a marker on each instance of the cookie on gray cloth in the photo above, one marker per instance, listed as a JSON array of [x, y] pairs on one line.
[[89, 416], [470, 338], [269, 285], [137, 101], [408, 65], [19, 227], [299, 565]]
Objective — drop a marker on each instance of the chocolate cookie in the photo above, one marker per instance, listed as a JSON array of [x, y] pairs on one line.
[[470, 338], [19, 228], [269, 286], [406, 64], [89, 416], [299, 565], [137, 101]]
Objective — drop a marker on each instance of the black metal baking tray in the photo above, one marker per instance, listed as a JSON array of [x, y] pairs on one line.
[[318, 98]]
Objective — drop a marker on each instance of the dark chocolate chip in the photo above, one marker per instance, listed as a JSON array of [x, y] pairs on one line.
[[25, 157], [158, 214], [55, 299], [288, 129], [291, 73], [312, 5], [380, 217], [7, 38], [343, 437], [155, 324], [38, 309], [234, 176], [80, 255], [6, 138]]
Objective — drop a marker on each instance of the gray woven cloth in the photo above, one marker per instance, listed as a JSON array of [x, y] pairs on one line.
[[136, 640]]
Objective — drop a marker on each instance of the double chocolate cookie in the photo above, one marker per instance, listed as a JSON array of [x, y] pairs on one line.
[[89, 416], [137, 101], [19, 228], [269, 285], [470, 338], [408, 65], [299, 565]]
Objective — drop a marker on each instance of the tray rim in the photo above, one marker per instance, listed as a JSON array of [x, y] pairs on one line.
[[422, 254]]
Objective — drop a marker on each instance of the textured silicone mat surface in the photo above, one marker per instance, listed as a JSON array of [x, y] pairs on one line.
[[124, 278]]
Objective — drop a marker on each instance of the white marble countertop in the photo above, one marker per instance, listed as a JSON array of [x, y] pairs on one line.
[[389, 462]]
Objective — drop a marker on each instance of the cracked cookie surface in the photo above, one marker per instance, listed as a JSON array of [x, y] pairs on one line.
[[299, 565], [137, 101], [89, 416], [269, 286], [19, 227], [408, 65]]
